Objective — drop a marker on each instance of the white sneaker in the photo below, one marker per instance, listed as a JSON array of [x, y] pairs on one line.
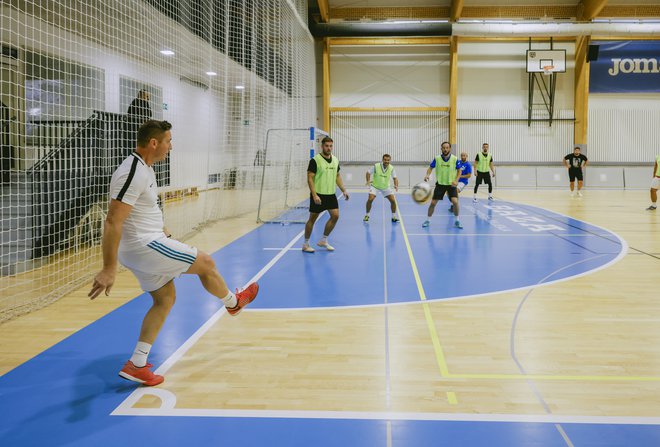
[[307, 249], [572, 193], [474, 200], [325, 245], [579, 194]]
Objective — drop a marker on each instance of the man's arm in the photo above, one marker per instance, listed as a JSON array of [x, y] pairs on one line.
[[428, 174], [586, 162], [655, 169], [492, 167], [114, 221], [340, 183], [396, 183], [312, 189], [566, 163], [368, 177]]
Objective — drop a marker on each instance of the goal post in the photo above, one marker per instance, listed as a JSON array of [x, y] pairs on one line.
[[284, 159]]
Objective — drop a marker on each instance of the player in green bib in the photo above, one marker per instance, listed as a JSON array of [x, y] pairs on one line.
[[322, 178], [655, 185], [483, 164], [447, 174], [378, 180]]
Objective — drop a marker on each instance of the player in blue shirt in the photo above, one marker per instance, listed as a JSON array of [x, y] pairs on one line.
[[466, 172]]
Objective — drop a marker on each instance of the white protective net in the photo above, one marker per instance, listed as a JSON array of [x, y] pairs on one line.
[[77, 77], [282, 168]]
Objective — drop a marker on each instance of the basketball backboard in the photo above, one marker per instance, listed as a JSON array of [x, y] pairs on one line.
[[537, 59]]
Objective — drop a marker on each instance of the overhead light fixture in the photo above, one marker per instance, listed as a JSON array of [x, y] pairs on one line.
[[211, 73], [240, 87], [167, 52]]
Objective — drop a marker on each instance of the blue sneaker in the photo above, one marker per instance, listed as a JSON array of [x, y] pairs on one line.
[[426, 224], [457, 224]]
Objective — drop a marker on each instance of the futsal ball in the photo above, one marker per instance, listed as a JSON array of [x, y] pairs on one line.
[[421, 192]]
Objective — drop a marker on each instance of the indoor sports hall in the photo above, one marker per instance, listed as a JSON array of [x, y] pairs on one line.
[[535, 322]]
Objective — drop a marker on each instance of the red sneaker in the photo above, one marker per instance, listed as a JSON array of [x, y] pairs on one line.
[[243, 298], [140, 375]]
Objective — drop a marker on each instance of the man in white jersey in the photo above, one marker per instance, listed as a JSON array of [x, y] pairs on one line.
[[134, 234], [378, 181]]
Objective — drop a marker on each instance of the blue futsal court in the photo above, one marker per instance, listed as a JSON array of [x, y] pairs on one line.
[[71, 394]]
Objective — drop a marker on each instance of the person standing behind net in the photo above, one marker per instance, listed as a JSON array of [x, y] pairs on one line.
[[483, 164], [575, 162], [447, 173], [139, 112], [655, 185], [381, 173], [322, 176], [134, 233]]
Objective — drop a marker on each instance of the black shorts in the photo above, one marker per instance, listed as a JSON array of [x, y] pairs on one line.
[[440, 190], [575, 173], [328, 202], [483, 176]]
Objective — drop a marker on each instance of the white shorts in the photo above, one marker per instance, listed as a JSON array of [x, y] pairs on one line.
[[460, 186], [375, 191], [158, 262], [655, 183]]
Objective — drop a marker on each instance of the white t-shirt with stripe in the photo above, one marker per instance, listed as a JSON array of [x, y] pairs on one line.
[[134, 183]]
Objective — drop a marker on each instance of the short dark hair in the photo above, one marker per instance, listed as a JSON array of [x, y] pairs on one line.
[[326, 139], [443, 143], [485, 144], [152, 129], [387, 155], [578, 148]]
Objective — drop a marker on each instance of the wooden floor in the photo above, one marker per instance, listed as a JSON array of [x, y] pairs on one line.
[[577, 337]]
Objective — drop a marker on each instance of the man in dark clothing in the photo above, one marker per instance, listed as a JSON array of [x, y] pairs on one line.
[[138, 113], [574, 163]]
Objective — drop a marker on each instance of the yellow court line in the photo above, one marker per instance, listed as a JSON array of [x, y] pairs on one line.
[[442, 362], [437, 347], [577, 378]]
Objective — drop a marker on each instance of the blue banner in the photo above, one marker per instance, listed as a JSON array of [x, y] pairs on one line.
[[626, 67]]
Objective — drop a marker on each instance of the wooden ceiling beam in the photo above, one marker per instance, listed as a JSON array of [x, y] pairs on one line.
[[589, 9], [455, 10], [324, 7]]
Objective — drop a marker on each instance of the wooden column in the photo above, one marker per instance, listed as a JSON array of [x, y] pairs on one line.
[[581, 95], [326, 85], [453, 87]]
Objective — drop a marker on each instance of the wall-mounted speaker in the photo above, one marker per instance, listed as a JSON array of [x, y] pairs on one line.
[[592, 53]]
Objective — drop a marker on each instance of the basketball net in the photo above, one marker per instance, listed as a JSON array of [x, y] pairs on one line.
[[547, 69]]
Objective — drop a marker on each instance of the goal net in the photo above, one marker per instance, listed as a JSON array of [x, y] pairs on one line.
[[78, 77], [283, 161]]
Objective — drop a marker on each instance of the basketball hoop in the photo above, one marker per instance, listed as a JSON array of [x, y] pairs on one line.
[[547, 69]]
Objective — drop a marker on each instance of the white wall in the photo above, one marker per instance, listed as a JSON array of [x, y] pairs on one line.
[[389, 76]]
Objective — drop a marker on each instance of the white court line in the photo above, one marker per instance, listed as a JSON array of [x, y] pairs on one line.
[[397, 416], [125, 409], [179, 353]]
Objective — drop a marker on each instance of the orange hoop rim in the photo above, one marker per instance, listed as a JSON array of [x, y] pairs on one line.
[[547, 69]]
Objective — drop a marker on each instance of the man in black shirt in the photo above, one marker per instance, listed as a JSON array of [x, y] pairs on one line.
[[574, 163]]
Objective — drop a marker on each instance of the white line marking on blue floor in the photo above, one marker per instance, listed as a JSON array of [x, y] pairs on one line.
[[378, 416], [179, 353]]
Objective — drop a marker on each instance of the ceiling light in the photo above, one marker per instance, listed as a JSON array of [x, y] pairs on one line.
[[211, 73], [240, 87], [167, 52]]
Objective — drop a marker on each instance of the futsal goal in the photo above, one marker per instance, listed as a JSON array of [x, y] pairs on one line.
[[283, 161]]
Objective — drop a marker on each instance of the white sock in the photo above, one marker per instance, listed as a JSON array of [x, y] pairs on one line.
[[307, 241], [367, 214], [140, 354], [393, 215], [324, 238], [230, 300]]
